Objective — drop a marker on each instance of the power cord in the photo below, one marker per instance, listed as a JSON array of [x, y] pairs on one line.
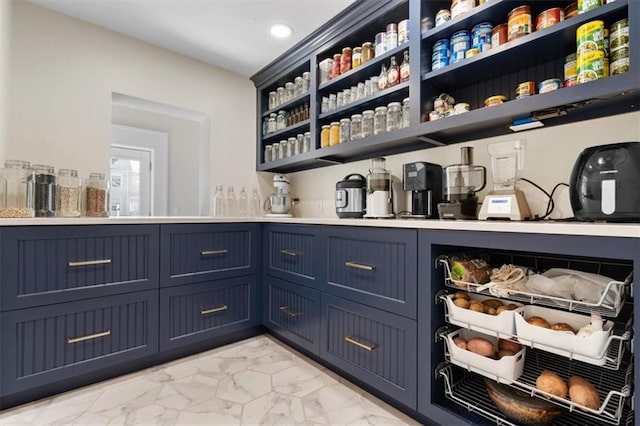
[[551, 205]]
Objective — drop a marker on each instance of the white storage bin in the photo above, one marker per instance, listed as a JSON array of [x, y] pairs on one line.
[[502, 325], [505, 370], [591, 349]]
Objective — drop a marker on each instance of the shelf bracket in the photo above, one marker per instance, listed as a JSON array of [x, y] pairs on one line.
[[431, 141]]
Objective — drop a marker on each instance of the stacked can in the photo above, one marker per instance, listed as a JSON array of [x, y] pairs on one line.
[[590, 54], [619, 47], [481, 36], [440, 54], [460, 43]]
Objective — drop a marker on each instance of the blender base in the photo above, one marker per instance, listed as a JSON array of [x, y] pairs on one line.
[[511, 205]]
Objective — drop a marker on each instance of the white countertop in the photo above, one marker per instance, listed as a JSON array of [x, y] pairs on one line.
[[543, 227]]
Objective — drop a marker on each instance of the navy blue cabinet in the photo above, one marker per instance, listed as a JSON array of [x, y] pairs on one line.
[[374, 266], [43, 265], [197, 312], [293, 311], [377, 347], [193, 253], [294, 253], [49, 344]]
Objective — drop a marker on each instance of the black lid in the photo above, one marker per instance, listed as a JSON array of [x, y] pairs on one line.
[[347, 182]]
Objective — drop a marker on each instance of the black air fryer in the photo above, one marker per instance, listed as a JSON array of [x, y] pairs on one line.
[[605, 183]]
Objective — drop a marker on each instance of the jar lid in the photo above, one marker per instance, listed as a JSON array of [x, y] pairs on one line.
[[395, 105], [335, 123], [356, 117], [405, 100], [345, 120], [346, 49], [280, 89], [272, 93], [288, 84], [68, 172], [268, 147], [381, 108], [337, 55], [297, 78], [43, 168], [96, 175], [367, 44], [326, 126], [306, 75], [357, 49], [367, 112], [307, 133]]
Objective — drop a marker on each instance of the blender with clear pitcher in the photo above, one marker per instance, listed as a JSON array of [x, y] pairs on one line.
[[379, 191], [461, 183]]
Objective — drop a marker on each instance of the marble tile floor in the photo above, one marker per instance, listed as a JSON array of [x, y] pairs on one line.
[[257, 381]]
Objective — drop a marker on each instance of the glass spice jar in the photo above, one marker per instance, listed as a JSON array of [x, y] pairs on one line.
[[44, 191], [367, 123], [333, 101], [291, 147], [345, 130], [299, 144], [282, 150], [68, 193], [356, 58], [345, 60], [368, 52], [16, 189], [334, 133], [271, 123], [297, 82], [356, 127], [324, 136], [96, 196], [380, 120], [394, 116]]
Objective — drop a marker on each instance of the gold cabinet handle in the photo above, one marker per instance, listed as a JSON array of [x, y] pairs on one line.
[[286, 310], [212, 252], [289, 253], [214, 310], [90, 262], [89, 337], [360, 266], [359, 344]]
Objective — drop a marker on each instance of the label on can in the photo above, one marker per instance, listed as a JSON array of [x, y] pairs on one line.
[[403, 31], [460, 41], [471, 52], [570, 67], [619, 61], [525, 89], [494, 100], [571, 82], [587, 5], [456, 57], [590, 66], [519, 22], [549, 85], [619, 35], [481, 36], [440, 62], [590, 36], [549, 18], [498, 35], [443, 16], [459, 7], [380, 43]]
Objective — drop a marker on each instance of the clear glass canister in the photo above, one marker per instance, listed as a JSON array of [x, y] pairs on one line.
[[346, 60], [367, 123], [44, 191], [368, 51], [273, 100], [299, 144], [380, 120], [306, 145], [280, 93], [334, 133], [306, 81], [297, 86], [289, 91], [333, 101], [405, 113], [282, 150], [356, 126], [16, 189], [96, 196], [325, 136], [281, 120], [271, 123], [345, 130], [68, 193], [291, 147], [394, 116], [356, 58], [268, 152]]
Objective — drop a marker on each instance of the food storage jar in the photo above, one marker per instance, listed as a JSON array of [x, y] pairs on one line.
[[339, 99], [16, 189], [280, 92], [68, 193], [345, 130], [368, 52], [367, 123], [334, 133], [356, 57], [44, 191], [281, 120], [96, 196], [380, 120], [405, 113], [273, 100], [325, 66], [333, 101], [356, 127], [289, 91], [345, 60], [394, 116], [297, 86], [282, 150], [291, 147], [325, 136], [306, 81], [271, 123], [306, 145], [391, 38], [268, 153], [335, 68]]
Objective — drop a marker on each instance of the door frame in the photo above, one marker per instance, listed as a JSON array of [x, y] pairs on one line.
[[144, 155]]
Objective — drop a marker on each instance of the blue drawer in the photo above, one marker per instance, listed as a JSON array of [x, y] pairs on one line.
[[197, 312], [43, 265], [376, 267], [193, 253], [54, 343], [293, 311]]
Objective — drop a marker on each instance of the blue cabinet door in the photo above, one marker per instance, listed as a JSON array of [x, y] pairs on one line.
[[193, 253], [294, 312], [197, 312], [294, 253], [49, 344], [43, 265], [373, 266], [375, 346]]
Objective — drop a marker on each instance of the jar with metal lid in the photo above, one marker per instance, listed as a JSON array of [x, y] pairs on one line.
[[299, 144], [368, 87], [271, 123], [268, 154], [281, 120], [280, 93], [273, 100], [394, 116], [16, 189], [391, 39], [297, 84], [376, 85], [324, 106], [356, 127], [405, 113], [380, 120], [339, 100], [368, 52], [345, 130], [356, 58], [345, 60], [361, 90], [68, 193], [334, 133], [346, 96], [282, 150], [306, 145], [354, 93], [367, 123], [291, 147], [325, 136], [333, 101], [289, 91], [95, 200], [306, 81], [335, 68], [44, 191]]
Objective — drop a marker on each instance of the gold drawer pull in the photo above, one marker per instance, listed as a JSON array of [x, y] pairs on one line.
[[89, 337], [214, 310], [360, 266], [289, 253], [90, 262], [286, 310], [359, 344], [212, 252]]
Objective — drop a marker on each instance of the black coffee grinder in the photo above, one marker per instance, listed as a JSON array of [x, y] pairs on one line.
[[424, 180]]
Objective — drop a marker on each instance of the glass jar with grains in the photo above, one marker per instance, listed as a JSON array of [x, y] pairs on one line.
[[380, 120], [44, 191], [68, 193], [394, 116], [16, 189], [367, 123], [96, 196]]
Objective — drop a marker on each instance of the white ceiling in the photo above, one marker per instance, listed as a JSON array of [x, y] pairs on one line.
[[232, 34]]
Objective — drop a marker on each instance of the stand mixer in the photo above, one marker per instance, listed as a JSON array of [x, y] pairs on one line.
[[280, 202], [461, 182], [379, 191]]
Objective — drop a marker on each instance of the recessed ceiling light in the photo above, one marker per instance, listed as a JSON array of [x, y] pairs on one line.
[[281, 30]]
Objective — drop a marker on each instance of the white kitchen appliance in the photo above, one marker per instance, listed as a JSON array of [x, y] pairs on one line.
[[505, 202], [279, 203], [379, 191]]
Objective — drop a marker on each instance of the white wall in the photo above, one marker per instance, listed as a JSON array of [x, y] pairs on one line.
[[5, 35]]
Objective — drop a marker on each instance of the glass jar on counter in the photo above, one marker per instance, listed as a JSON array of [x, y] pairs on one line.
[[345, 130], [345, 60], [325, 136], [306, 81], [281, 120], [306, 145], [68, 193], [268, 154], [356, 58], [271, 123], [356, 127], [16, 189], [405, 113], [394, 116], [297, 86], [334, 133], [280, 93], [368, 52], [289, 91], [273, 100], [44, 191], [291, 147], [367, 123], [96, 196], [380, 120]]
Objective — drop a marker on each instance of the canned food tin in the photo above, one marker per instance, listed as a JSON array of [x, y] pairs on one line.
[[570, 68], [525, 89], [460, 41], [456, 57], [426, 24], [441, 46], [471, 52], [380, 44], [439, 62], [403, 31], [391, 39], [442, 16], [619, 34], [549, 18], [619, 61], [590, 36], [571, 82], [587, 5], [458, 7], [499, 35], [519, 22], [549, 85], [571, 10], [481, 36], [494, 100]]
